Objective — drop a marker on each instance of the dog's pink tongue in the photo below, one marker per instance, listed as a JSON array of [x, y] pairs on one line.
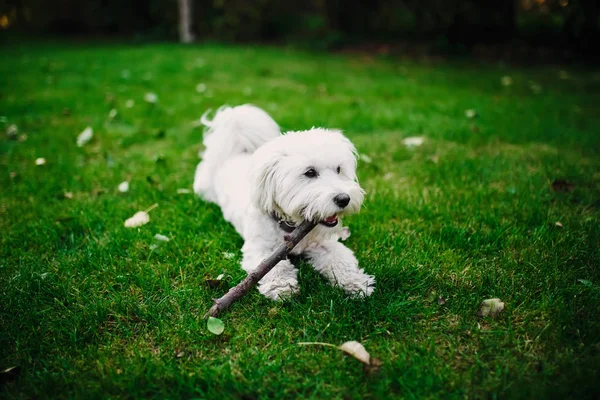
[[331, 219]]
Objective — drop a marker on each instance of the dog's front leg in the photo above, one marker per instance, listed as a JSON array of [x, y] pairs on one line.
[[280, 283], [338, 264]]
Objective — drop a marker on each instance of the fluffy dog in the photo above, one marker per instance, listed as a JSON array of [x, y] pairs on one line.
[[267, 183]]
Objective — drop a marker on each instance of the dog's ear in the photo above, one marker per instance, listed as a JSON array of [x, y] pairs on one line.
[[263, 180]]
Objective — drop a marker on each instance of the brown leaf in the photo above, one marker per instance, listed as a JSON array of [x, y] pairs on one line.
[[561, 185]]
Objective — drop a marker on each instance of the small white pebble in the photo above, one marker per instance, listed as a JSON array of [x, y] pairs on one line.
[[40, 161]]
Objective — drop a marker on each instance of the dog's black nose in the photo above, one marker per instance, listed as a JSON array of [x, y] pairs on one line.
[[341, 200]]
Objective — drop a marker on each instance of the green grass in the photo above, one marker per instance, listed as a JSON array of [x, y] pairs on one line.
[[91, 309]]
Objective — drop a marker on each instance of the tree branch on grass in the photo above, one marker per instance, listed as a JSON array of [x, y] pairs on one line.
[[280, 254]]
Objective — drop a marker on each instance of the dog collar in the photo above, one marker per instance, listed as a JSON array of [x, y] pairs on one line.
[[286, 226]]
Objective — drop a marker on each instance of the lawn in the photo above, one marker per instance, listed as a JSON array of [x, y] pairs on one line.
[[505, 204]]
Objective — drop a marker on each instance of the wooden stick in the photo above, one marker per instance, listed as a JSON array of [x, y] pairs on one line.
[[236, 292]]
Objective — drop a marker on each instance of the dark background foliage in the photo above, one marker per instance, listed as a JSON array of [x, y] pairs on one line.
[[447, 24]]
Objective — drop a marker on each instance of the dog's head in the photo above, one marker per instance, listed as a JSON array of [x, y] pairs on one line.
[[307, 175]]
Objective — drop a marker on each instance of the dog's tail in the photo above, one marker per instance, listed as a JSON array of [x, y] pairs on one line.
[[232, 131]]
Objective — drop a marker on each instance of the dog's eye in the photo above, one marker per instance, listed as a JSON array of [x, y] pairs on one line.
[[339, 169], [311, 173]]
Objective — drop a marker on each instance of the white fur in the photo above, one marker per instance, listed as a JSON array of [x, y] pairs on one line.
[[251, 171]]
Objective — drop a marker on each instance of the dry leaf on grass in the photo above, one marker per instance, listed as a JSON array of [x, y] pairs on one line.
[[470, 113], [366, 158], [151, 98], [123, 187], [354, 349], [413, 141], [490, 307], [85, 136], [161, 238], [215, 283], [506, 81], [12, 131], [357, 351], [139, 218]]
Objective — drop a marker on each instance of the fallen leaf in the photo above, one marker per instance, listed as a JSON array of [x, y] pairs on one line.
[[161, 238], [506, 81], [9, 374], [40, 161], [129, 103], [12, 131], [535, 87], [123, 187], [22, 137], [413, 141], [85, 136], [215, 325], [215, 283], [68, 195], [559, 224], [179, 354], [470, 113], [357, 351], [366, 158], [561, 185], [139, 218], [201, 88], [490, 307], [151, 98]]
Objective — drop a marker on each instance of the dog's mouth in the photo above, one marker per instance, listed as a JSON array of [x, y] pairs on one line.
[[330, 221]]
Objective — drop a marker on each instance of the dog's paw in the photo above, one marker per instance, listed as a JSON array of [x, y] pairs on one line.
[[278, 291], [360, 285]]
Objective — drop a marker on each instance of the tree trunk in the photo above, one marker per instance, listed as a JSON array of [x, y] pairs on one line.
[[185, 21]]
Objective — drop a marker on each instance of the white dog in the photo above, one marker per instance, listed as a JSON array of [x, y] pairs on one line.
[[267, 183]]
